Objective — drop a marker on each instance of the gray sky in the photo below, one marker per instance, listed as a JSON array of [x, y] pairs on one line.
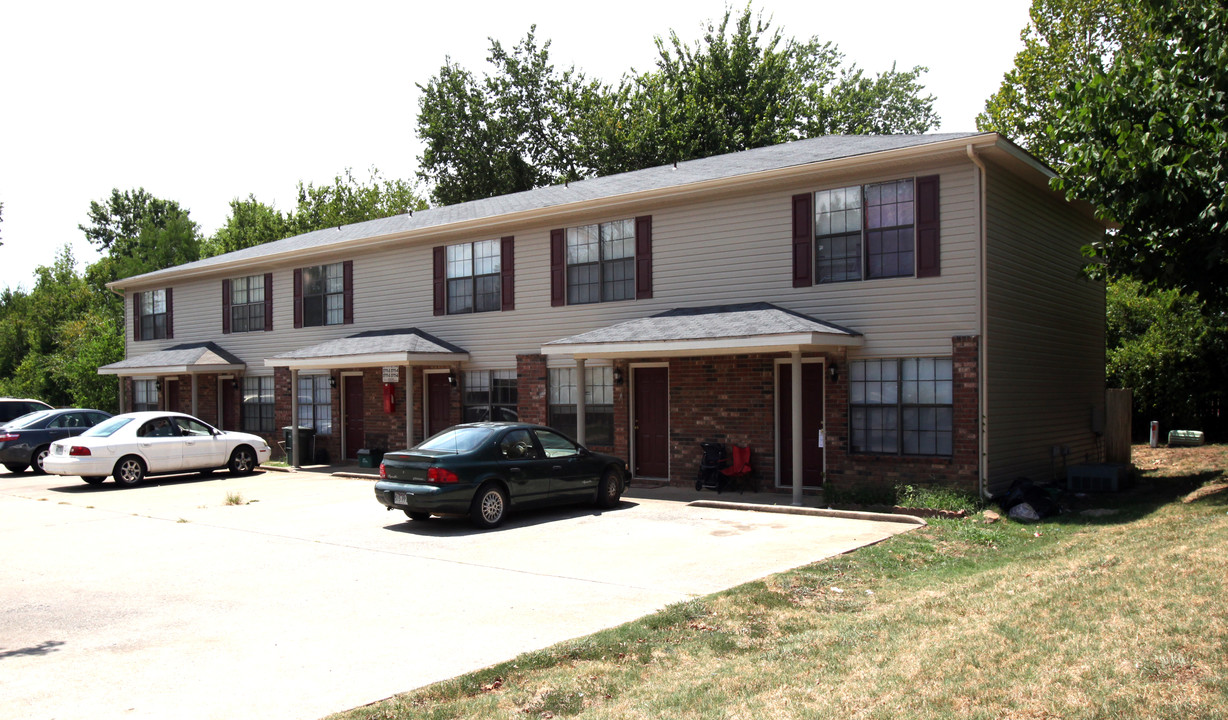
[[205, 102]]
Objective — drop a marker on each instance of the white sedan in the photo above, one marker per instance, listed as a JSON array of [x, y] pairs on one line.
[[133, 445]]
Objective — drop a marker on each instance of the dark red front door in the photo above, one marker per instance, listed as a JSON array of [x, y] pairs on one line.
[[438, 403], [651, 422], [355, 436], [171, 390], [812, 422]]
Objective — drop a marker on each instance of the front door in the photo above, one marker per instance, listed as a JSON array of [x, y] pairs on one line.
[[438, 403], [812, 424], [355, 437], [171, 389], [651, 422]]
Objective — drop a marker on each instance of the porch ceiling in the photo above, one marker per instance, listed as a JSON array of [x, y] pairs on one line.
[[374, 348], [714, 330], [186, 359]]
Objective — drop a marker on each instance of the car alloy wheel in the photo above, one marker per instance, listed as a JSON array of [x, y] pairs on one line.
[[130, 470], [242, 460], [489, 506]]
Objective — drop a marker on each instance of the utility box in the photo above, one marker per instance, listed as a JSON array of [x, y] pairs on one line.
[[1185, 437], [1100, 477]]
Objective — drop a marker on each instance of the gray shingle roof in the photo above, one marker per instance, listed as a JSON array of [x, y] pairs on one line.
[[201, 355], [410, 341], [792, 154], [707, 323]]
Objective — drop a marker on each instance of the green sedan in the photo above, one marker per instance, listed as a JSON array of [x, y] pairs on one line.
[[485, 469]]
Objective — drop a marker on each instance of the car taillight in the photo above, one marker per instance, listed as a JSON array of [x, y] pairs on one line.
[[383, 472], [440, 475], [9, 437], [78, 451]]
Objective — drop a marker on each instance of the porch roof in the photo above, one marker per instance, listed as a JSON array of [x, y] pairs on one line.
[[373, 348], [189, 358], [715, 330]]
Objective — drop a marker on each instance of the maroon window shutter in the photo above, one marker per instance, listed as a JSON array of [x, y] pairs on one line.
[[507, 268], [803, 240], [927, 226], [643, 257], [347, 278], [558, 269], [136, 316], [440, 281], [225, 307], [298, 297], [170, 314], [268, 302]]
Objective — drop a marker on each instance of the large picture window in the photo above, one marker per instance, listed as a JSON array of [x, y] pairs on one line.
[[601, 262], [864, 231], [474, 273], [598, 403], [152, 315], [247, 296], [902, 407], [144, 395], [490, 395], [315, 403], [323, 295], [256, 414]]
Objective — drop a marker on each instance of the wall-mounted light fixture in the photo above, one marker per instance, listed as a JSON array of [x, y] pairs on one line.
[[452, 378], [833, 372], [158, 384], [618, 376], [332, 381]]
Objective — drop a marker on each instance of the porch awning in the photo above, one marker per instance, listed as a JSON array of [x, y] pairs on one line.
[[715, 330], [373, 348], [189, 358]]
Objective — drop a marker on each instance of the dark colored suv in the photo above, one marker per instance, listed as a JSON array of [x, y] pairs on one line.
[[11, 408]]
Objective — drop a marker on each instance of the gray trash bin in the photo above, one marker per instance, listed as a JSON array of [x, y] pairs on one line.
[[307, 455]]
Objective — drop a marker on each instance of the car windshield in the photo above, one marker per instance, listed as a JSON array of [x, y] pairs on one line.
[[107, 427], [455, 440], [27, 420]]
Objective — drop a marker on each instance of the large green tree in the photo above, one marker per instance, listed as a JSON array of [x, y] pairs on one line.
[[250, 223], [744, 85], [1145, 141], [1061, 41]]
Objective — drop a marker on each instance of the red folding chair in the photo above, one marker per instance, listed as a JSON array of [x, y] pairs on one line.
[[739, 470]]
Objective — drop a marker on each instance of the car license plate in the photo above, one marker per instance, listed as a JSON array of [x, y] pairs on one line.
[[398, 498]]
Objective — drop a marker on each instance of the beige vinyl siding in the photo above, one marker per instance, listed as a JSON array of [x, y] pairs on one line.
[[731, 249], [1045, 335]]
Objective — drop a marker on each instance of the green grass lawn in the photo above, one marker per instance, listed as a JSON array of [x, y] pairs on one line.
[[1119, 615]]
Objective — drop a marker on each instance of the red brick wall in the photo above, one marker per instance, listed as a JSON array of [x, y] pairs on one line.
[[531, 396]]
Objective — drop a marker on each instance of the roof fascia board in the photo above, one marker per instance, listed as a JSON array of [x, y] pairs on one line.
[[500, 223], [365, 360], [171, 370], [711, 346]]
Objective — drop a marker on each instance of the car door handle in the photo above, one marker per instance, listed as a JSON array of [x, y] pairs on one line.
[[558, 467], [514, 471]]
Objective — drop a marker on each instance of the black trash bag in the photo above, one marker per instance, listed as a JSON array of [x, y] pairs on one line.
[[1024, 491]]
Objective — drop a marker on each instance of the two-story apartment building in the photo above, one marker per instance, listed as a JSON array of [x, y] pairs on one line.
[[859, 310]]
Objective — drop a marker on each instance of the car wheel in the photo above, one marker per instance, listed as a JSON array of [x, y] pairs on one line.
[[489, 506], [129, 470], [15, 468], [417, 515], [36, 461], [93, 479], [609, 490], [242, 460]]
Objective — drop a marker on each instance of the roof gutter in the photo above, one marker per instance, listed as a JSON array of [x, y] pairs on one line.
[[982, 326], [501, 222]]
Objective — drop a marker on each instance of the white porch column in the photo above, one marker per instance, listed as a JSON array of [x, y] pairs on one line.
[[796, 409], [294, 441], [581, 401], [195, 390], [409, 405]]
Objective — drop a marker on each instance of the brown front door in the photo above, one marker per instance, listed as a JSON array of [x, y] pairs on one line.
[[651, 422], [171, 389], [438, 403], [812, 423], [355, 436]]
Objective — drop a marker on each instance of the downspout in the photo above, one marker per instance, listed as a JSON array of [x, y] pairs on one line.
[[982, 313]]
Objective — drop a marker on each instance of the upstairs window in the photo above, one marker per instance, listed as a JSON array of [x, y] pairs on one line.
[[152, 315], [605, 262], [247, 302], [866, 232], [473, 277], [324, 295]]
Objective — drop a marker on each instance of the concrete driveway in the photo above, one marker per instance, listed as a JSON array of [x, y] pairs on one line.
[[309, 598]]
